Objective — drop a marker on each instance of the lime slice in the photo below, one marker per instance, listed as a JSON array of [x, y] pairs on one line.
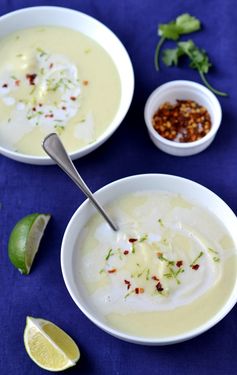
[[49, 346], [24, 240]]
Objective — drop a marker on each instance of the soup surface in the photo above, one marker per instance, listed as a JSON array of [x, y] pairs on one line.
[[168, 270], [55, 79]]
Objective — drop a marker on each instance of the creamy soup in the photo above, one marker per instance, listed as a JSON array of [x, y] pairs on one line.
[[169, 269], [55, 79]]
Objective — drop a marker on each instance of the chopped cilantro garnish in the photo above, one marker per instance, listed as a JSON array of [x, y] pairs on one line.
[[198, 257], [110, 253], [143, 238]]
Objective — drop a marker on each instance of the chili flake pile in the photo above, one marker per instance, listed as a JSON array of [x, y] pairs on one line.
[[185, 121]]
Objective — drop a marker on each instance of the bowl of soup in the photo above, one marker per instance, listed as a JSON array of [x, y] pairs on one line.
[[168, 274], [61, 71]]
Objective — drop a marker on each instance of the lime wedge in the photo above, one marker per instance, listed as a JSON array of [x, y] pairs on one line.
[[49, 346], [24, 240]]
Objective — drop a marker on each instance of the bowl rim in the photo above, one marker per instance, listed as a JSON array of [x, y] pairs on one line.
[[112, 127], [216, 318], [189, 84]]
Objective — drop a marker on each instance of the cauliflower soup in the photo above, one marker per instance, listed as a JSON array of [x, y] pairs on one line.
[[54, 79], [169, 269]]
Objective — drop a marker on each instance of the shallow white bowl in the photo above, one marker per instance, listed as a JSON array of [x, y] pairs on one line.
[[182, 90], [191, 191], [63, 17]]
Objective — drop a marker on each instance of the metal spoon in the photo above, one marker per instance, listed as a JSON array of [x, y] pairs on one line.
[[53, 146]]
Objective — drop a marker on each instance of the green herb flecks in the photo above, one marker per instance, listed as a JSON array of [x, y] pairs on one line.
[[133, 248], [144, 272], [54, 85], [141, 273], [216, 257], [110, 253], [148, 274], [41, 52], [212, 251], [194, 262], [32, 90], [129, 294], [174, 274], [34, 114], [184, 24], [143, 238], [164, 259]]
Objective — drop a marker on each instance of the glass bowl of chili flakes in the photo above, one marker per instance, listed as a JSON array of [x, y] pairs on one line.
[[182, 117]]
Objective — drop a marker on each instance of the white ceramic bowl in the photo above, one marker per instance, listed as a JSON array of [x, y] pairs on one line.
[[188, 189], [63, 17], [182, 90]]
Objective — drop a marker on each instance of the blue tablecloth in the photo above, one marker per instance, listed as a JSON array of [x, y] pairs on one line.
[[27, 188]]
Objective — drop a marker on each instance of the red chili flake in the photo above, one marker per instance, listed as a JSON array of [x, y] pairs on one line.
[[159, 254], [139, 290], [112, 270], [126, 252], [155, 278], [185, 121], [159, 287], [49, 115], [31, 78], [179, 263], [50, 66], [73, 98], [195, 267], [85, 82], [17, 82], [5, 85], [64, 108], [127, 283], [33, 109], [132, 240]]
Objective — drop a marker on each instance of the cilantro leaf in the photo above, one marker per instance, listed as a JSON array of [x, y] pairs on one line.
[[187, 24], [183, 24], [169, 31], [198, 57], [199, 60], [170, 56], [187, 47]]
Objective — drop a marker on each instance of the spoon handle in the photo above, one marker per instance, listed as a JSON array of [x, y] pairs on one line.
[[53, 146]]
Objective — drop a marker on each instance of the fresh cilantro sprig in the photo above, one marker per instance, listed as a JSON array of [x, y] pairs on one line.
[[184, 24], [198, 58]]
